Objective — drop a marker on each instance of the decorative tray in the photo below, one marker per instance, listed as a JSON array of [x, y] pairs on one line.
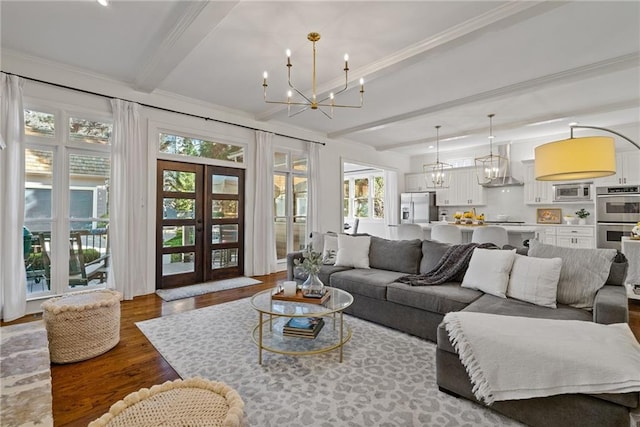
[[301, 298]]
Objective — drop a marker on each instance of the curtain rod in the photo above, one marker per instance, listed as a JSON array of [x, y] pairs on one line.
[[162, 108]]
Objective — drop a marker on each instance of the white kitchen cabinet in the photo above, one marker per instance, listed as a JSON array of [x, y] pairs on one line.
[[576, 237], [535, 192], [463, 190], [546, 235], [627, 170], [414, 182]]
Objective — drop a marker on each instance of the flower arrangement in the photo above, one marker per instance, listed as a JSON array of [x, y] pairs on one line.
[[582, 213], [635, 231], [311, 261], [468, 215]]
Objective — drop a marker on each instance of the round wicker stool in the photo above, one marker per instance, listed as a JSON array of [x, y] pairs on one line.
[[191, 402], [82, 325]]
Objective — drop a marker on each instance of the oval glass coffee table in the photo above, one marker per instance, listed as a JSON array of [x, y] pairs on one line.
[[273, 314]]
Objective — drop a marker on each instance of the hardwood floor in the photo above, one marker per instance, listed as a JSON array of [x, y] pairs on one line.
[[83, 391]]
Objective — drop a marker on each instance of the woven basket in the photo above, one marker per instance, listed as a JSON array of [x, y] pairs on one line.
[[191, 402], [82, 325]]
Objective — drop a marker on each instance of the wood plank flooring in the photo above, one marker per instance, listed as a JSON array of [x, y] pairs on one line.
[[84, 391]]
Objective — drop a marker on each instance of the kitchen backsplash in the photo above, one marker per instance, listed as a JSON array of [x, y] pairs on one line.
[[510, 201]]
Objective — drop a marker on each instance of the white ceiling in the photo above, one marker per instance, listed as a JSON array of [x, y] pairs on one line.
[[447, 63]]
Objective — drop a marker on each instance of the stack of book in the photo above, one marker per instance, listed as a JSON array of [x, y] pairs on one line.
[[303, 327]]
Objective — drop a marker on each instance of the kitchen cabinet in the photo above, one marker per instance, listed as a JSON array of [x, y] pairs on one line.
[[570, 237], [535, 192], [463, 190], [414, 182], [627, 170]]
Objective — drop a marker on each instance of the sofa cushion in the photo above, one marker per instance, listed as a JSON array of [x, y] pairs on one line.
[[327, 270], [432, 253], [489, 271], [583, 272], [535, 280], [511, 307], [439, 299], [368, 282], [395, 255], [353, 251]]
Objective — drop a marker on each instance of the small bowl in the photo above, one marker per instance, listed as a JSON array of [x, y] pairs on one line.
[[502, 217]]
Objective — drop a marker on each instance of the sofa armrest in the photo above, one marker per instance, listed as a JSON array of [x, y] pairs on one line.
[[290, 265], [610, 305]]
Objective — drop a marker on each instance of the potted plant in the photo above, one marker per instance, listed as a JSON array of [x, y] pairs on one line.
[[310, 264], [582, 214]]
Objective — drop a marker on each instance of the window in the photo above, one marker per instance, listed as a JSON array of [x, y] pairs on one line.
[[290, 188], [66, 194], [188, 146], [364, 196]]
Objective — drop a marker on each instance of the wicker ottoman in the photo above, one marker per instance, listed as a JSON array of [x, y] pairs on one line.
[[82, 325], [191, 402]]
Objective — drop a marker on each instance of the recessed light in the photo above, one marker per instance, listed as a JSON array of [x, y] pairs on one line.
[[103, 2], [431, 146]]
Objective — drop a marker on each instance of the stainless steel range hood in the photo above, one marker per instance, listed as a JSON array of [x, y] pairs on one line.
[[505, 180]]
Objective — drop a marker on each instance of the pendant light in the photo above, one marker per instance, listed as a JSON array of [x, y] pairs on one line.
[[436, 175], [491, 169]]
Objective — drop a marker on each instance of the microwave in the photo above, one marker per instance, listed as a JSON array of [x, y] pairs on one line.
[[574, 192]]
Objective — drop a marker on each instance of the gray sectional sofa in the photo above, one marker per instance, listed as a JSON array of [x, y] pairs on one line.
[[419, 310]]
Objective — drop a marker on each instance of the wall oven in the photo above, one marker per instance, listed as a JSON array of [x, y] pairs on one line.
[[617, 211]]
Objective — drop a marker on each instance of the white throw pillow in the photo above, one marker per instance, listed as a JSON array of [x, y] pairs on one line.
[[535, 280], [330, 250], [489, 270], [353, 251]]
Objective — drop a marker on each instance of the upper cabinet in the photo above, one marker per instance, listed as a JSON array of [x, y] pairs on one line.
[[628, 170], [463, 190], [414, 182], [535, 192]]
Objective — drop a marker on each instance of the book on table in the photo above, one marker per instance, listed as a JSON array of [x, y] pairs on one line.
[[303, 327]]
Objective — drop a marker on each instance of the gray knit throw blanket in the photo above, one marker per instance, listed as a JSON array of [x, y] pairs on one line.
[[451, 267]]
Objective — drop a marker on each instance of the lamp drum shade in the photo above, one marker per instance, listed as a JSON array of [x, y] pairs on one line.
[[575, 158]]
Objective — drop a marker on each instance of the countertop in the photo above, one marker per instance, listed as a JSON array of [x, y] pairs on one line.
[[510, 227]]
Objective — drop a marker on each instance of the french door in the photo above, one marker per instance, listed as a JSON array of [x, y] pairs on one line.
[[200, 223]]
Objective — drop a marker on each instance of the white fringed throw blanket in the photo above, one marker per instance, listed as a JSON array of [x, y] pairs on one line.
[[510, 357]]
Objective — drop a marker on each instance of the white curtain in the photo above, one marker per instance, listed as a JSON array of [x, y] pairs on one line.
[[391, 206], [264, 244], [313, 185], [127, 202], [13, 279]]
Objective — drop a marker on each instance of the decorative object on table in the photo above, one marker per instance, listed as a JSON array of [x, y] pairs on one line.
[[303, 327], [635, 232], [568, 219], [468, 217], [289, 288], [311, 263], [458, 217], [582, 215], [299, 297], [549, 216], [480, 219]]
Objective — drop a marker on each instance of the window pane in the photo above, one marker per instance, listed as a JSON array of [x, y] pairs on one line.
[[183, 182], [173, 236], [225, 233], [186, 146], [361, 208], [222, 258], [280, 234], [299, 196], [299, 162], [90, 131], [279, 195], [88, 189], [178, 208], [378, 195], [362, 187], [224, 209], [280, 161], [89, 253], [378, 208], [178, 263], [38, 123], [222, 184], [346, 188], [37, 257]]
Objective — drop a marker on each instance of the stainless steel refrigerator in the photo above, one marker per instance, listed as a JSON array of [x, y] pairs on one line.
[[418, 207]]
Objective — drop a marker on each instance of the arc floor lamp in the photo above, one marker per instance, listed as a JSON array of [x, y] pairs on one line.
[[578, 158]]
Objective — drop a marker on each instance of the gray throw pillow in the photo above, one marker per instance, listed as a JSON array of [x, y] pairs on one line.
[[395, 255], [583, 273], [432, 253]]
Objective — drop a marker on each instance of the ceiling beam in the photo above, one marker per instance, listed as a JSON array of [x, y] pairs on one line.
[[590, 70], [190, 24]]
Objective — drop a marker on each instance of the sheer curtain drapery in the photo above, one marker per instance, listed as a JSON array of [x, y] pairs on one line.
[[313, 215], [13, 279], [264, 244], [391, 208], [127, 201]]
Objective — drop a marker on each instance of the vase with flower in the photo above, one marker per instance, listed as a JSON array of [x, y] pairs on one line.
[[582, 216], [311, 263]]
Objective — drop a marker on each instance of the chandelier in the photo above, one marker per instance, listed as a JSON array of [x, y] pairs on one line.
[[312, 101], [491, 169], [434, 173]]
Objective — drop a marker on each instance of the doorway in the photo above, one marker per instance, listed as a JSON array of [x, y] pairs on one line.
[[200, 223]]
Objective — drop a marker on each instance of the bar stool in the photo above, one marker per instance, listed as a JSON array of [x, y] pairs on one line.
[[446, 233], [490, 234]]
